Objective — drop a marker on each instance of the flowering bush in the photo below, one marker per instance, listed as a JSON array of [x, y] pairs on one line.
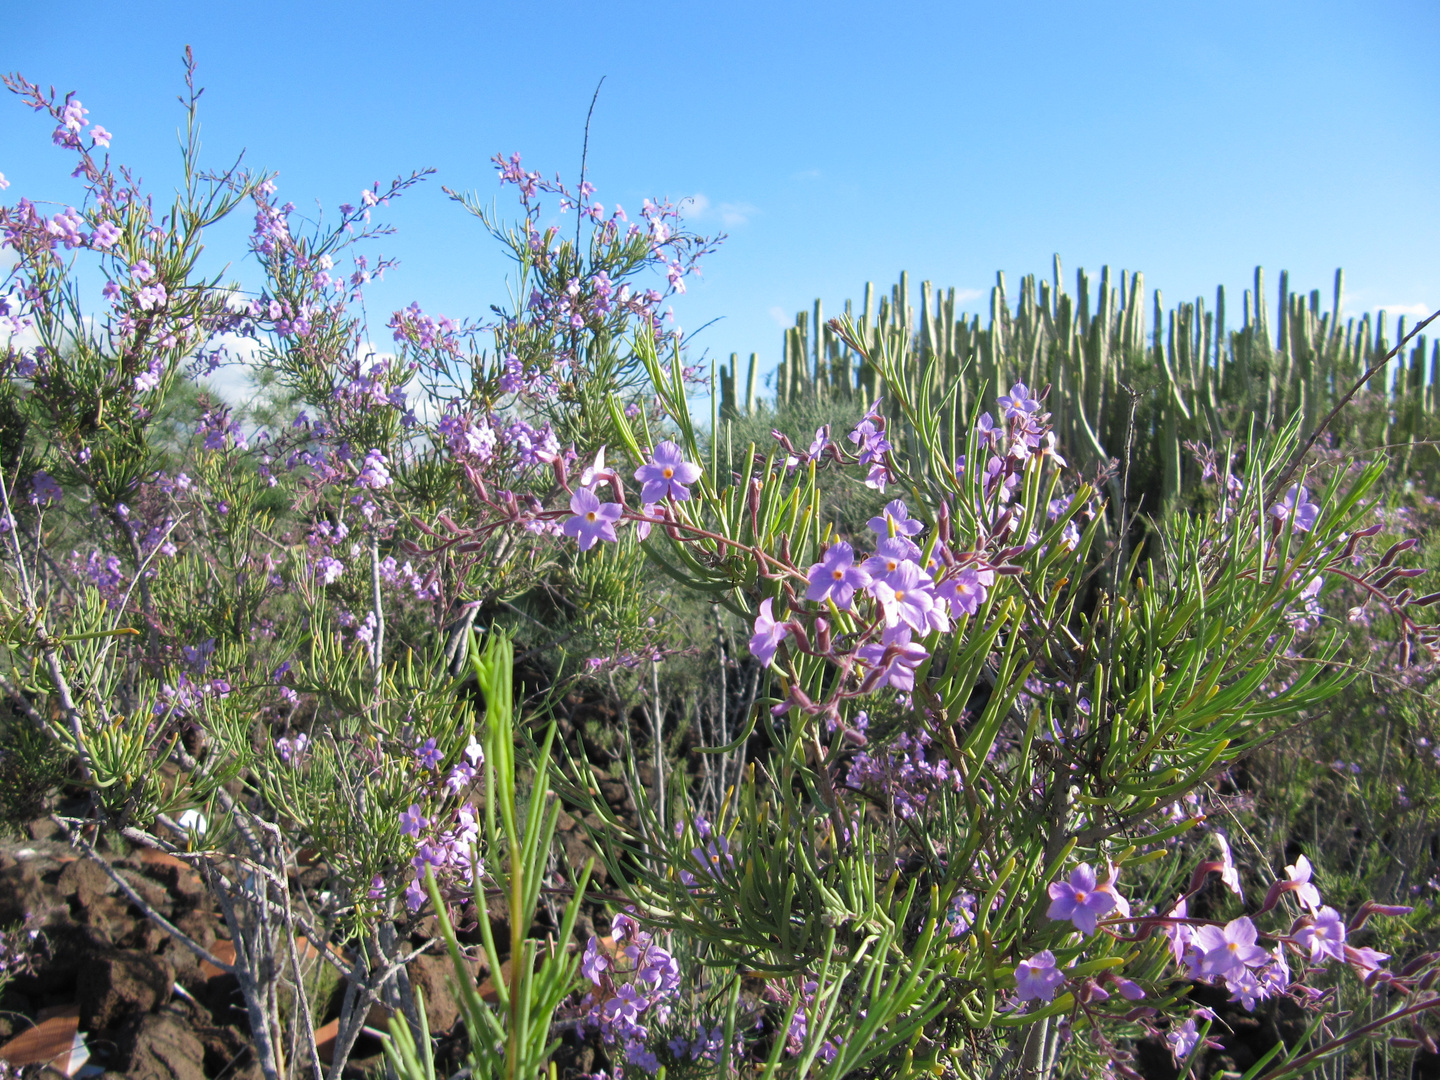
[[952, 828]]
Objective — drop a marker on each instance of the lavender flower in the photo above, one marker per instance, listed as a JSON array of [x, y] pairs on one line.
[[836, 577], [894, 520], [593, 519], [967, 590], [1037, 978], [1080, 899], [896, 663], [412, 821], [1182, 1040], [44, 491], [1306, 893], [593, 962], [1226, 951], [1325, 936], [1298, 508], [1019, 403], [667, 474], [889, 554], [768, 634], [374, 473], [906, 597]]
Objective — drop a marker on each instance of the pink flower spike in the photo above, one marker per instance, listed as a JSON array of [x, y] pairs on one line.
[[1325, 936], [1079, 899]]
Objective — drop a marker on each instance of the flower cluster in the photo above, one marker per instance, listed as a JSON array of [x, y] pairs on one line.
[[1226, 954], [449, 853], [634, 982]]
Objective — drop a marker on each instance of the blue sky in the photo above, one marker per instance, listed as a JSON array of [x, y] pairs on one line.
[[835, 143]]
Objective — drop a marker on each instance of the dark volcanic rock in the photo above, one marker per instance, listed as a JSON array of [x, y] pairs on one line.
[[116, 986], [162, 1046]]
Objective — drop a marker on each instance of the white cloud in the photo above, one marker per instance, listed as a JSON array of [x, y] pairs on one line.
[[698, 207], [963, 296], [733, 214], [807, 174], [1418, 310], [782, 319]]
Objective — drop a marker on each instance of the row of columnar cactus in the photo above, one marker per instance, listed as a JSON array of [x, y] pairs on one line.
[[1124, 371]]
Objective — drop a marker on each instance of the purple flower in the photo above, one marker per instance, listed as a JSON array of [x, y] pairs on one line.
[[897, 518], [461, 776], [1228, 874], [1037, 978], [836, 577], [107, 234], [594, 961], [896, 662], [967, 590], [870, 442], [667, 474], [1245, 988], [889, 554], [1129, 989], [906, 597], [44, 490], [593, 519], [429, 754], [625, 1006], [1365, 960], [1080, 899], [1229, 950], [985, 430], [1306, 893], [1019, 403], [1297, 506], [374, 473], [768, 634], [1325, 937], [415, 895], [412, 821], [1183, 1039]]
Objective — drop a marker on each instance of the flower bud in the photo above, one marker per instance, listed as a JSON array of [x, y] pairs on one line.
[[801, 638], [1396, 548], [822, 635]]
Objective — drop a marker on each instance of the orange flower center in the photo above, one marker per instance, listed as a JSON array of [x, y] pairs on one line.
[[668, 472], [590, 515]]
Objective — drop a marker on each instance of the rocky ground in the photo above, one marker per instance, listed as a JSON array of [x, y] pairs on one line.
[[147, 1008]]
